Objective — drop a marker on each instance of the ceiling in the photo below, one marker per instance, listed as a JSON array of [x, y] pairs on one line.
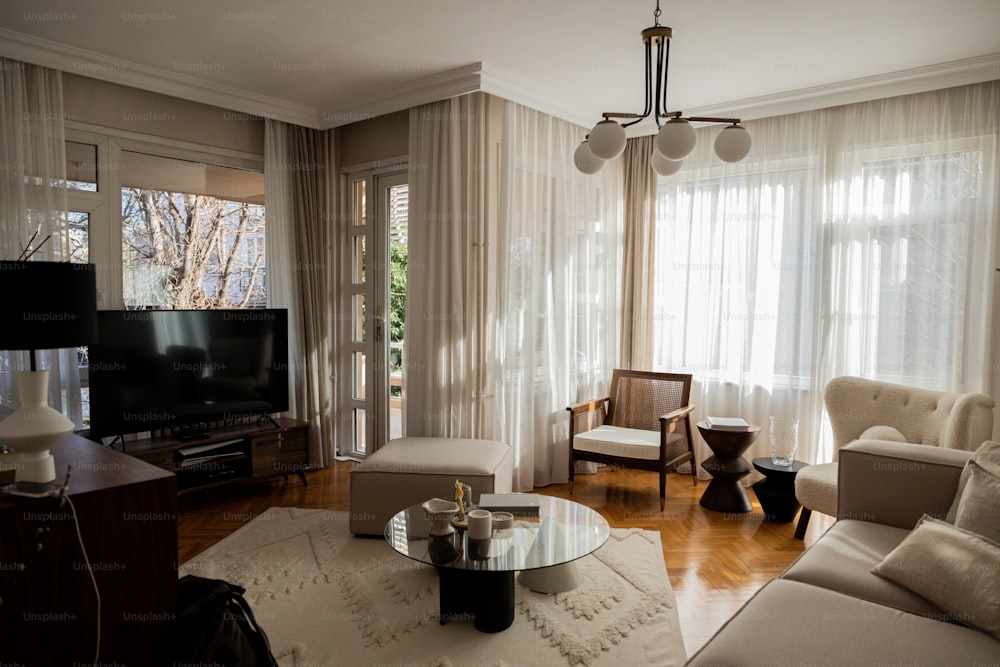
[[324, 63]]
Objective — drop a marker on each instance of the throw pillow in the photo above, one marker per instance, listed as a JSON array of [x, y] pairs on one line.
[[988, 456], [882, 433], [953, 568], [979, 508]]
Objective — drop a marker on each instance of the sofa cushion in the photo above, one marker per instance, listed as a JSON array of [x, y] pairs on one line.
[[792, 623], [987, 456], [882, 433], [979, 508], [843, 559], [951, 567]]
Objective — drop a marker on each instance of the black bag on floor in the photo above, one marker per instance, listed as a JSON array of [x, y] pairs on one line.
[[214, 625]]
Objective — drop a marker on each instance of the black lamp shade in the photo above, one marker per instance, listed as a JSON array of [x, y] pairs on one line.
[[47, 305]]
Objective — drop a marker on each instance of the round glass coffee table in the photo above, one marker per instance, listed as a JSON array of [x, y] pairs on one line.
[[477, 576]]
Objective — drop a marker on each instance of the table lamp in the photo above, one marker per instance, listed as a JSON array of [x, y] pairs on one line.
[[45, 305]]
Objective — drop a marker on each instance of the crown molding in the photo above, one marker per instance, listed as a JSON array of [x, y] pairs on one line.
[[904, 82], [471, 78], [82, 62], [440, 86], [475, 77]]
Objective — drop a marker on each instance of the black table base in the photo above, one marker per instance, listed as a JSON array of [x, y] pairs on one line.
[[724, 492], [486, 598]]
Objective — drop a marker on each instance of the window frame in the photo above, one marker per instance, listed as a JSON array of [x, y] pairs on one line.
[[105, 204]]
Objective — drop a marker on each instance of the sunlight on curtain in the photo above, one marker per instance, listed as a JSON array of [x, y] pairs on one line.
[[33, 199], [558, 260], [299, 180], [857, 240], [447, 271]]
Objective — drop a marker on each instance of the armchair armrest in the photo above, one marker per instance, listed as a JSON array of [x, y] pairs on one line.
[[588, 406], [677, 414], [587, 416], [896, 483]]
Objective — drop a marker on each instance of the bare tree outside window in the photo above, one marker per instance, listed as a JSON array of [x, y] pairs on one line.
[[186, 251]]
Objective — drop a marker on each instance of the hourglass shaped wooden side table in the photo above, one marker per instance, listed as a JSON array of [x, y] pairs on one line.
[[727, 467]]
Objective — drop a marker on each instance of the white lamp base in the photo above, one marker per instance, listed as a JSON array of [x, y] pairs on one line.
[[33, 429]]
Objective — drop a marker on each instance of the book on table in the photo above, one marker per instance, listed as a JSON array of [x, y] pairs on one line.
[[515, 503], [727, 423]]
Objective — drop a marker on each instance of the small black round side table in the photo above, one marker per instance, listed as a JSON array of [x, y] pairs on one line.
[[776, 492], [727, 467]]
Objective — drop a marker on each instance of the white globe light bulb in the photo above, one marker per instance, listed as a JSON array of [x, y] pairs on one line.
[[585, 160], [733, 143], [676, 139], [662, 165], [607, 140]]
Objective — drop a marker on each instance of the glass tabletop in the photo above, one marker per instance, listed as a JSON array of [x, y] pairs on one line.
[[562, 532]]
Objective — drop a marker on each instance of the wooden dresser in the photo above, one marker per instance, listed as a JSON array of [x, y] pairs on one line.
[[127, 510]]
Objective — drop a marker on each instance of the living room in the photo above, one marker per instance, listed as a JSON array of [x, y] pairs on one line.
[[858, 237]]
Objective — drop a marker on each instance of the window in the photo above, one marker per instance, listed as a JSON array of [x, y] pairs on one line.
[[192, 235]]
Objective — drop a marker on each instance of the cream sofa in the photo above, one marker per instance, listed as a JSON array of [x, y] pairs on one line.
[[828, 608]]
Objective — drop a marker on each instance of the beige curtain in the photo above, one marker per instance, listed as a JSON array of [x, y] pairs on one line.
[[639, 245], [445, 336], [300, 182]]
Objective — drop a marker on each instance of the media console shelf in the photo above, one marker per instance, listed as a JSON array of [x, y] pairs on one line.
[[230, 453]]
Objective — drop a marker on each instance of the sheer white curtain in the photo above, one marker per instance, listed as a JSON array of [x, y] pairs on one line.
[[853, 240], [558, 251], [299, 180], [33, 206], [446, 336]]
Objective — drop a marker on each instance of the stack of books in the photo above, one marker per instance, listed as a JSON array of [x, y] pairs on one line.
[[727, 423]]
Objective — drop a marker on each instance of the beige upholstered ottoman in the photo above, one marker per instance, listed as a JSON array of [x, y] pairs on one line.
[[408, 471]]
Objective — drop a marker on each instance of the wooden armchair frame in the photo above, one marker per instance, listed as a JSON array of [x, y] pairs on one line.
[[660, 391]]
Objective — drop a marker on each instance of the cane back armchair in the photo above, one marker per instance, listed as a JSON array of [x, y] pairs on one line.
[[644, 423]]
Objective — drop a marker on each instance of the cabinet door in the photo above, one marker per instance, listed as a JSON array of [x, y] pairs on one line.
[[279, 453]]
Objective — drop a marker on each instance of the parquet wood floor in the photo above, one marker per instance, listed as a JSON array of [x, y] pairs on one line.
[[716, 561]]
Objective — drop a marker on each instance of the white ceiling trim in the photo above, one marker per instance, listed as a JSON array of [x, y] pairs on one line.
[[904, 82], [472, 78], [441, 86], [37, 51]]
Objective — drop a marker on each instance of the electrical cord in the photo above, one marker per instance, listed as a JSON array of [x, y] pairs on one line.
[[65, 499]]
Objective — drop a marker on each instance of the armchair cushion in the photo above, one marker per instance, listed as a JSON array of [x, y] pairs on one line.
[[632, 443], [951, 567], [816, 488]]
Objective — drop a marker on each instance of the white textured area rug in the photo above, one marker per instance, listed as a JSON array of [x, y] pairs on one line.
[[326, 598]]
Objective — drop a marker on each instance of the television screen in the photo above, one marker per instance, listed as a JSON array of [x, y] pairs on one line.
[[154, 369]]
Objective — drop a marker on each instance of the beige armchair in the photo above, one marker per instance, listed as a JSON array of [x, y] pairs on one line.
[[863, 409]]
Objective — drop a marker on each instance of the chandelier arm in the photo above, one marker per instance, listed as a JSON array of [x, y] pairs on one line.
[[660, 81], [709, 119], [649, 90], [666, 71]]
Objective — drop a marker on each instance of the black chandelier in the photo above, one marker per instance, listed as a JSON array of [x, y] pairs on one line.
[[676, 137]]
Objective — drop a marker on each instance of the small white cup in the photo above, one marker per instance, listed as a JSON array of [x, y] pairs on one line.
[[480, 524]]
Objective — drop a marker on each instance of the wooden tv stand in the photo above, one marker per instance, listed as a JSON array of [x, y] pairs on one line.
[[229, 453]]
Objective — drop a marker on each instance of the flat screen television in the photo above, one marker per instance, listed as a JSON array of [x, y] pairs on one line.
[[160, 369]]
